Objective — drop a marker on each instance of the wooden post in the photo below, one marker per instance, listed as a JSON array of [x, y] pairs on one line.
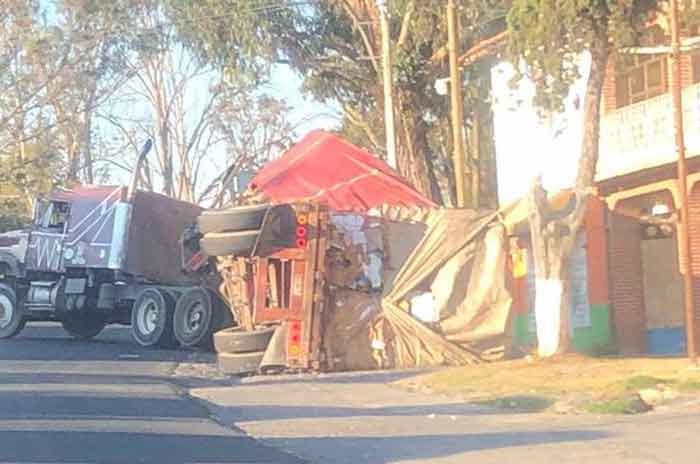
[[388, 86], [684, 236], [456, 106]]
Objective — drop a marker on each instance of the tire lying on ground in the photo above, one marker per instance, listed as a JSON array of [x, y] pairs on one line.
[[232, 219], [194, 317], [152, 318], [229, 243], [11, 317], [236, 340], [82, 325], [240, 363]]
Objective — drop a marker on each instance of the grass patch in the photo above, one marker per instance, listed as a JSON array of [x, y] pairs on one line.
[[688, 386], [520, 403], [630, 404], [640, 382], [598, 385]]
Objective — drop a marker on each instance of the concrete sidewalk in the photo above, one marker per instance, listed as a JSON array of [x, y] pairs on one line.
[[356, 418]]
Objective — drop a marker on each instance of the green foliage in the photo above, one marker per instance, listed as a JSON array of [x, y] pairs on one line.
[[335, 45], [13, 215], [21, 179], [548, 36], [246, 36]]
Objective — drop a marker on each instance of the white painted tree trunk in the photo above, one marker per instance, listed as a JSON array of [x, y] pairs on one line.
[[550, 317], [552, 234]]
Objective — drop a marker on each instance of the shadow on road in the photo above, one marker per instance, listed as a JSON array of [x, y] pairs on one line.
[[67, 406], [427, 447], [119, 448], [49, 342]]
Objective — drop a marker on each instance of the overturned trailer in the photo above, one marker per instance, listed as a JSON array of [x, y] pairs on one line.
[[345, 282]]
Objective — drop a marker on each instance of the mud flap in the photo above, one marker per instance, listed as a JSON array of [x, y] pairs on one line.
[[276, 353]]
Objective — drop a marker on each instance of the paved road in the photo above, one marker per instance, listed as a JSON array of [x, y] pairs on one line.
[[107, 401], [356, 418]]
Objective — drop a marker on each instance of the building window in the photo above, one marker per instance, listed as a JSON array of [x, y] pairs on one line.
[[641, 77]]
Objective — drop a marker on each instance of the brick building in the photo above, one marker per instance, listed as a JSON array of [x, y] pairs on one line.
[[637, 178], [632, 298]]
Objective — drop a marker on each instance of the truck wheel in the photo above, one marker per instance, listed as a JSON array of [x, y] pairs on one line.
[[240, 363], [83, 326], [11, 316], [229, 243], [152, 318], [235, 340], [232, 219], [194, 318]]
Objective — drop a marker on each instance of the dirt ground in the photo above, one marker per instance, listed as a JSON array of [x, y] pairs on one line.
[[600, 385]]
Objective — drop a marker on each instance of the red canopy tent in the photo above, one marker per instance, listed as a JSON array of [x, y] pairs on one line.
[[326, 168]]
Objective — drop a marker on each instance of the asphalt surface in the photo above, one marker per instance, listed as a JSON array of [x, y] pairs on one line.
[[108, 401]]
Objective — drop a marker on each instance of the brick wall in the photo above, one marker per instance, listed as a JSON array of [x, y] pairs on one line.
[[596, 252], [694, 226], [626, 284], [686, 71], [608, 102]]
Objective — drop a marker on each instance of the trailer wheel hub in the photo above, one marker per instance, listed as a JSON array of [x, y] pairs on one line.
[[147, 319], [6, 311], [195, 316]]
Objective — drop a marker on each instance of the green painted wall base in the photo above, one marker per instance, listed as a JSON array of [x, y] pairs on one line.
[[593, 340]]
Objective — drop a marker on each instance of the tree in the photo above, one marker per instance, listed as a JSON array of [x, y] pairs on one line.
[[205, 120], [53, 74], [254, 130], [335, 45], [547, 39], [348, 72], [164, 79], [94, 37], [26, 160]]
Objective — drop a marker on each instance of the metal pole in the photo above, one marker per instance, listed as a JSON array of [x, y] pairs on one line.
[[456, 104], [684, 236], [388, 87]]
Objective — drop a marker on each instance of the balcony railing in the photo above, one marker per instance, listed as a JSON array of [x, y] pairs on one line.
[[640, 136]]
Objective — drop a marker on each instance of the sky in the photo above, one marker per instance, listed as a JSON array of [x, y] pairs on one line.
[[307, 114], [527, 145]]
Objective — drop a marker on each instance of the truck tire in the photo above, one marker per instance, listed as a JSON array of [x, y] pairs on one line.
[[83, 326], [232, 219], [152, 318], [229, 243], [235, 340], [193, 320], [11, 315], [240, 363]]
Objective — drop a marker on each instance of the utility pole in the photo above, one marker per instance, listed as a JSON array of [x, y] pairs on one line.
[[388, 86], [456, 103], [684, 236]]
